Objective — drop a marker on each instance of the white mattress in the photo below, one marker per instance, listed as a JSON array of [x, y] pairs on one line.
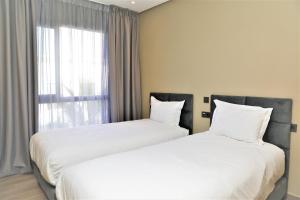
[[202, 166], [56, 149]]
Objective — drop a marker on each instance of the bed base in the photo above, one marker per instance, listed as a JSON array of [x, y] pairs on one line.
[[280, 190], [48, 189]]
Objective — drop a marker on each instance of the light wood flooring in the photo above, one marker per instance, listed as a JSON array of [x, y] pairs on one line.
[[20, 187], [25, 187]]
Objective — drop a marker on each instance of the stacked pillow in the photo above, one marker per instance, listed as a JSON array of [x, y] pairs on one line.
[[167, 112], [240, 122]]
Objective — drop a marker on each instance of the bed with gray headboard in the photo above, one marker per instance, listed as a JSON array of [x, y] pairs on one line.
[[186, 121], [277, 133]]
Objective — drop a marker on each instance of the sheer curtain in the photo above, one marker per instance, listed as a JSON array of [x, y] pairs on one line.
[[54, 70], [72, 63]]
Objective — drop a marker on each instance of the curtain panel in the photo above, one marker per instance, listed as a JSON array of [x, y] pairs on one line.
[[63, 63], [124, 66], [17, 86], [72, 61]]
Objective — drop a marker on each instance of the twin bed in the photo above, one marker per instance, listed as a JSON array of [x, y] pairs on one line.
[[52, 151], [200, 166]]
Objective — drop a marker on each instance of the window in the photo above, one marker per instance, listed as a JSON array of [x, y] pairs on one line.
[[72, 80]]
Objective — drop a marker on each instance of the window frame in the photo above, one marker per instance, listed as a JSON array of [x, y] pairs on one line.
[[53, 98]]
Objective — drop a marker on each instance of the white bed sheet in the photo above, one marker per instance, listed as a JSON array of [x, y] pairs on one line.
[[201, 166], [56, 149]]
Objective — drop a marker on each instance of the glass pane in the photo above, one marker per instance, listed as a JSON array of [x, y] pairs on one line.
[[70, 65], [46, 60], [70, 114], [80, 62]]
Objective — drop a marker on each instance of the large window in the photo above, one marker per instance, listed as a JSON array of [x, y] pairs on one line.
[[72, 80]]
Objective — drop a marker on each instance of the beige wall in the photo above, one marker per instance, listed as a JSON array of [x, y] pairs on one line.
[[224, 47]]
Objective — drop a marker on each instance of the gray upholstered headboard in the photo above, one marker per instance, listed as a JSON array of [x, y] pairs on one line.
[[186, 118], [278, 131]]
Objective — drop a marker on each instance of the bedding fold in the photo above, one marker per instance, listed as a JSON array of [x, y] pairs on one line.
[[201, 166], [53, 150]]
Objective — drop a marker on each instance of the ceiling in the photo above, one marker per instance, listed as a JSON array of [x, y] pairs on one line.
[[135, 5]]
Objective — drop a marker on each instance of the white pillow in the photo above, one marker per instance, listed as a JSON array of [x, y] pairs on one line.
[[264, 125], [240, 122], [166, 111]]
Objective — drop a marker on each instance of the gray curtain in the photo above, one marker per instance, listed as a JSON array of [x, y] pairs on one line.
[[20, 21], [17, 96], [124, 68]]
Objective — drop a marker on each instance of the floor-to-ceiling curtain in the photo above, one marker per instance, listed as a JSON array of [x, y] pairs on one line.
[[17, 86], [72, 63], [124, 68], [63, 63]]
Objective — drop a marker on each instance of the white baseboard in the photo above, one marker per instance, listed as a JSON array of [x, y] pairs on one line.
[[294, 195]]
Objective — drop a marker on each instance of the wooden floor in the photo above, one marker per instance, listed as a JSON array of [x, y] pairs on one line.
[[25, 187], [20, 187]]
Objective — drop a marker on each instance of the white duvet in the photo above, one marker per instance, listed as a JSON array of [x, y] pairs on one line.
[[56, 149], [202, 166]]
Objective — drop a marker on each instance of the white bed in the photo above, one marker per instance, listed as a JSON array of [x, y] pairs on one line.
[[201, 166], [53, 150]]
